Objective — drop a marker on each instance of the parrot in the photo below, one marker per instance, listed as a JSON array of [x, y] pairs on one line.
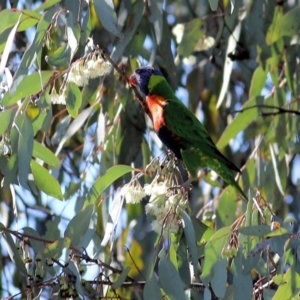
[[179, 129]]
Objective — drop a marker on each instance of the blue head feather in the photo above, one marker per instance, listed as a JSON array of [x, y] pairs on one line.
[[144, 77]]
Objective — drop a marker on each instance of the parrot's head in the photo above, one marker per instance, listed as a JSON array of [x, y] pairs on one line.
[[141, 78]]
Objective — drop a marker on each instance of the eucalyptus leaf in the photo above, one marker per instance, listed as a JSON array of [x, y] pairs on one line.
[[6, 119], [29, 85], [45, 154], [23, 129], [75, 125], [104, 181], [31, 55], [54, 250], [192, 32], [240, 122], [213, 254], [79, 225], [118, 283], [13, 251], [151, 289], [107, 15], [73, 100], [213, 4], [189, 233], [257, 230], [169, 279], [45, 181]]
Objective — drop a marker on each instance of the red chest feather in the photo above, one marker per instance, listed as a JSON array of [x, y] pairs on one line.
[[156, 107]]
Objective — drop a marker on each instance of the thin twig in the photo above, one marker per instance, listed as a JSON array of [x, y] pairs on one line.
[[106, 56], [134, 262], [280, 110]]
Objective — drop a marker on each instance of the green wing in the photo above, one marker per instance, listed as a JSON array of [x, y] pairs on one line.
[[183, 123]]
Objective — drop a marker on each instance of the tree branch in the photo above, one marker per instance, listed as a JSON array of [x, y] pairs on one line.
[[279, 111]]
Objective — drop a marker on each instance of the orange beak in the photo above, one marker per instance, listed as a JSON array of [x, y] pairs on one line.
[[133, 80]]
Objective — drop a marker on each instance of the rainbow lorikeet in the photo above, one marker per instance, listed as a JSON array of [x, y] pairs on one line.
[[179, 129]]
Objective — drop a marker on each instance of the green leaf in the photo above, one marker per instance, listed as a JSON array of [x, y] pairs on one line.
[[134, 19], [32, 54], [73, 100], [9, 18], [54, 250], [45, 154], [86, 27], [12, 250], [47, 4], [290, 287], [226, 210], [213, 4], [170, 280], [8, 46], [213, 254], [228, 64], [28, 19], [35, 241], [107, 16], [157, 18], [104, 181], [240, 122], [280, 182], [45, 181], [273, 32], [242, 280], [203, 232], [189, 233], [22, 134], [290, 68], [257, 230], [52, 228], [151, 290], [73, 33], [289, 24], [219, 278], [183, 262], [6, 119], [79, 225], [118, 283], [193, 31], [258, 82], [11, 171], [113, 219], [29, 85], [74, 127]]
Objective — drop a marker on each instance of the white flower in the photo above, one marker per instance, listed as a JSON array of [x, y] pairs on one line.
[[82, 70], [156, 188], [77, 74], [97, 67], [133, 194], [57, 98], [156, 206]]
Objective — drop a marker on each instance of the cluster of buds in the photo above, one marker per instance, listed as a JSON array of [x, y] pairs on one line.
[[166, 198], [230, 250], [34, 266], [92, 66], [67, 288]]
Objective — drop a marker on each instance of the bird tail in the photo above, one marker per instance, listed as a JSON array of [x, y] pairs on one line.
[[194, 159]]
